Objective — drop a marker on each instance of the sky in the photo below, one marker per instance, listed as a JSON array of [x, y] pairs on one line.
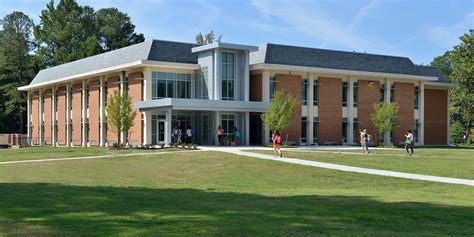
[[418, 29]]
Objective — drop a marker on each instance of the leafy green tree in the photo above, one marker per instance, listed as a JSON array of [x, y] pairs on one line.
[[207, 38], [115, 29], [443, 63], [385, 117], [462, 95], [16, 69], [280, 113], [120, 114], [66, 33]]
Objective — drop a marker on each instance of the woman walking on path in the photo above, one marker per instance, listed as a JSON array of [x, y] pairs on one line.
[[276, 138], [219, 132], [363, 133], [236, 136], [409, 142], [366, 141]]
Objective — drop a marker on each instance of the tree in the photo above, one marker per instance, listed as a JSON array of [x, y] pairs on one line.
[[443, 63], [115, 29], [462, 95], [207, 38], [16, 69], [280, 113], [120, 114], [385, 117], [66, 33]]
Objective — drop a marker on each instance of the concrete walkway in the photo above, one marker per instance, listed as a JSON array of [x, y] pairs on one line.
[[237, 151], [89, 157]]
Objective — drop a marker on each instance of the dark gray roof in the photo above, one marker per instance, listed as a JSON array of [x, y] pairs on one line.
[[432, 72], [333, 59], [157, 50]]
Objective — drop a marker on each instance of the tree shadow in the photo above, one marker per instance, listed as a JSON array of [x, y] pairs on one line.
[[55, 209]]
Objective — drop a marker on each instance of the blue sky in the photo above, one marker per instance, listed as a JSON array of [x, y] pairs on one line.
[[418, 29]]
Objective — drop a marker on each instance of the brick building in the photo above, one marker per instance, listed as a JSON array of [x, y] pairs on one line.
[[175, 84]]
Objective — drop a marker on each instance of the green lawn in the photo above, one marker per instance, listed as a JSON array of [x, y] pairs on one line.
[[36, 153], [212, 193], [455, 163]]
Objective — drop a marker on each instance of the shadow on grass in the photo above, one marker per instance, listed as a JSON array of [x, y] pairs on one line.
[[54, 209]]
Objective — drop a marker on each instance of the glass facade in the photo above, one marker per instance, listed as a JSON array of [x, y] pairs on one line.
[[345, 130], [392, 94], [345, 92], [416, 97], [201, 85], [272, 86], [356, 93], [315, 129], [228, 76], [171, 85], [382, 93], [315, 92], [416, 129], [304, 92], [355, 131], [227, 123], [304, 129]]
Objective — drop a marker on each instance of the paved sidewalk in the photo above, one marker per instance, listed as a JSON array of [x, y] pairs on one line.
[[354, 169], [90, 157]]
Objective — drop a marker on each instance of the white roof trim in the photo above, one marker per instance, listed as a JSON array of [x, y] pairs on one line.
[[440, 84], [120, 67], [202, 105], [338, 71], [216, 45]]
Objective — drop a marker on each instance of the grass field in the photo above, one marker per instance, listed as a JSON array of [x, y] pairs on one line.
[[35, 153], [454, 163], [212, 193]]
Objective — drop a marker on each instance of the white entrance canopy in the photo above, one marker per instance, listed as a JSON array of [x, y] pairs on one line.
[[202, 105]]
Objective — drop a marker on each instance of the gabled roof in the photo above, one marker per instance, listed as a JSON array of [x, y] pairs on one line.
[[156, 50], [342, 60], [432, 72]]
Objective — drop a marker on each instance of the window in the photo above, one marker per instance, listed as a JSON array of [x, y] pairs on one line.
[[171, 85], [355, 94], [344, 93], [382, 93], [315, 129], [382, 138], [391, 136], [315, 92], [202, 81], [355, 131], [228, 122], [304, 92], [416, 129], [228, 75], [392, 94], [272, 86], [304, 129], [345, 127], [416, 97]]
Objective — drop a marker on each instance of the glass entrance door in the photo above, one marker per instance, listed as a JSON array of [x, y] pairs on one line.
[[158, 130], [161, 131]]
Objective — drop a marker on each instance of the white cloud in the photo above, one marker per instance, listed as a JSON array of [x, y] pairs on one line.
[[447, 36], [364, 12]]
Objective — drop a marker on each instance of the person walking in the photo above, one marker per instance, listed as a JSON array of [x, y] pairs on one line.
[[189, 134], [276, 138], [219, 133], [366, 141], [362, 134], [409, 142], [179, 135], [174, 134], [236, 136]]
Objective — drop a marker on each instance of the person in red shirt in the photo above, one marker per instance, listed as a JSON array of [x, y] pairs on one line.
[[276, 138]]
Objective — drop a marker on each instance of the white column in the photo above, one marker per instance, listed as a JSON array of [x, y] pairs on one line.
[[265, 86], [421, 120], [310, 108], [84, 113], [350, 111], [168, 127], [388, 85], [53, 115], [41, 117], [68, 115], [28, 114], [123, 91], [102, 111], [217, 75], [147, 128], [246, 76]]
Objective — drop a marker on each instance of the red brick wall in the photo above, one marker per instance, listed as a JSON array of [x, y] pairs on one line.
[[135, 92], [404, 96], [47, 116], [369, 94], [35, 115], [330, 110], [436, 117], [291, 84], [76, 114], [61, 94], [256, 87], [112, 85], [94, 113]]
